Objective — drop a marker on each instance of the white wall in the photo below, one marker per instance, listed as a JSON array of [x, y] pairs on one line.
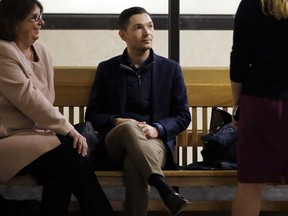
[[89, 47], [153, 6]]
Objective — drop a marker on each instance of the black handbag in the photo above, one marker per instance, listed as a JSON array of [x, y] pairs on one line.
[[86, 129], [219, 145], [219, 118]]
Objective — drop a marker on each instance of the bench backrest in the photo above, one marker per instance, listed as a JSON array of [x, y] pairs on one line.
[[206, 87]]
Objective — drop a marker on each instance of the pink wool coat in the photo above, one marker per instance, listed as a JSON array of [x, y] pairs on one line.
[[28, 120]]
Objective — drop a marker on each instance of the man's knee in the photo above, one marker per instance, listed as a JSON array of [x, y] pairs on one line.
[[128, 127]]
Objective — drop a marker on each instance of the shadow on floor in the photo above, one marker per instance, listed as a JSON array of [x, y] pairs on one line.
[[32, 208], [208, 213], [19, 208]]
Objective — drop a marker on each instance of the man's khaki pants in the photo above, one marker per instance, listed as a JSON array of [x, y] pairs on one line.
[[139, 157]]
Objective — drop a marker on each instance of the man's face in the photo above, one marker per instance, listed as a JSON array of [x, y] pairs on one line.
[[139, 33]]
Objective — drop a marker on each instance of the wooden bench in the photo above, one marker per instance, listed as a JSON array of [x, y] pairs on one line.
[[207, 87]]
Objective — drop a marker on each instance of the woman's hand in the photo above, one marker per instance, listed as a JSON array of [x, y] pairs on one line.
[[235, 115], [79, 142]]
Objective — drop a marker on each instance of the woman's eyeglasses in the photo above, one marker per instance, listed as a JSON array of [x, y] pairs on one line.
[[37, 17]]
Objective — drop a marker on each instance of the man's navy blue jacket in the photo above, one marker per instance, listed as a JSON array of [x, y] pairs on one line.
[[168, 101]]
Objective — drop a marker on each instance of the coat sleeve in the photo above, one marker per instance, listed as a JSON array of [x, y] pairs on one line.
[[172, 110], [102, 106], [241, 53]]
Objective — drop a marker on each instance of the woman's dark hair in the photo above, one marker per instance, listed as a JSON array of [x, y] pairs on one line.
[[12, 12], [124, 17]]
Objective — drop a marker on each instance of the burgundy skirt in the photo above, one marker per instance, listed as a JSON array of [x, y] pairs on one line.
[[262, 143]]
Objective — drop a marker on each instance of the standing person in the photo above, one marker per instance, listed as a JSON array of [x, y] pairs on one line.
[[138, 102], [34, 137], [259, 79]]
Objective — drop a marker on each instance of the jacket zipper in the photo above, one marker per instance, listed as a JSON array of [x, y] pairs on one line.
[[137, 73]]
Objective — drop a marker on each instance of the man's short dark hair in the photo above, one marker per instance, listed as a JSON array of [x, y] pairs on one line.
[[12, 12], [124, 17]]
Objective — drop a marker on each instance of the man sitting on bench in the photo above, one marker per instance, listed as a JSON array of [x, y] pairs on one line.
[[138, 102]]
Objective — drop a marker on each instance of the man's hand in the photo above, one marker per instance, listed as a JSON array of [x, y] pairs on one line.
[[149, 131]]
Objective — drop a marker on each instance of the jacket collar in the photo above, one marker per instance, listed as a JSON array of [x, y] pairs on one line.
[[126, 64]]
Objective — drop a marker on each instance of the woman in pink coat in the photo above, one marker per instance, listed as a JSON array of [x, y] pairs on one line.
[[34, 137]]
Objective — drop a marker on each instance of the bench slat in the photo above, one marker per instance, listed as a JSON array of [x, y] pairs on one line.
[[176, 178]]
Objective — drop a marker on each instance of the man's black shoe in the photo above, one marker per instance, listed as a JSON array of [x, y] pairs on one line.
[[175, 203]]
